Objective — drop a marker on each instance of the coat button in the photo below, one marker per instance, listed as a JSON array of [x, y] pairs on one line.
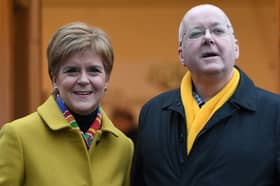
[[181, 138]]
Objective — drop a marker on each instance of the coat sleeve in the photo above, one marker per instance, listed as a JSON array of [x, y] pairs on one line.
[[278, 151], [11, 159]]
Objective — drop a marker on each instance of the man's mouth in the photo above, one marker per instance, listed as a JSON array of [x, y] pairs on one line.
[[209, 54]]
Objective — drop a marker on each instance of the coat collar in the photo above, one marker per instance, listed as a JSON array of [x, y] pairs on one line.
[[245, 96], [173, 101], [54, 119]]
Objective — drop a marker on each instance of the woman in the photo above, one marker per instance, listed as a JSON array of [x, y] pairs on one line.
[[69, 141]]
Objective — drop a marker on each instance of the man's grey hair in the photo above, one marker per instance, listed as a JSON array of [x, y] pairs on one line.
[[181, 33]]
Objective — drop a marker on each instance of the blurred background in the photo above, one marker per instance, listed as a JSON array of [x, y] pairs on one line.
[[144, 35]]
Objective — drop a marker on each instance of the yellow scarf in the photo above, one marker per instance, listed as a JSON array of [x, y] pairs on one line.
[[196, 117]]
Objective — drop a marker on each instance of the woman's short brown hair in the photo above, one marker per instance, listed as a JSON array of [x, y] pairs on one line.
[[78, 37]]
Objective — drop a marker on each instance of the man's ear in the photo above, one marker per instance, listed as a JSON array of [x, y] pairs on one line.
[[181, 57], [236, 48]]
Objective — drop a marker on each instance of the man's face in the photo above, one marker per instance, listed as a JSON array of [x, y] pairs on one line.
[[208, 46]]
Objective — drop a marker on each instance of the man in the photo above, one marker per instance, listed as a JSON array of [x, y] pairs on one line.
[[218, 129]]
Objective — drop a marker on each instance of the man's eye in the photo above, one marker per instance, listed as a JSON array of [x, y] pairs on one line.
[[195, 34], [218, 31]]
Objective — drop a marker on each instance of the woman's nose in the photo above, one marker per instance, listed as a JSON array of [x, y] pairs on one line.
[[83, 78]]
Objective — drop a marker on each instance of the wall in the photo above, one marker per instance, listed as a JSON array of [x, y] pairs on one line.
[[144, 37], [20, 50], [6, 56]]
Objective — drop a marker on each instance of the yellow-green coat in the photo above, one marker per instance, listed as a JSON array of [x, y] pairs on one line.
[[42, 149]]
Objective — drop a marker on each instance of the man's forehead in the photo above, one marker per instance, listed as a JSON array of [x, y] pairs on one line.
[[205, 8], [204, 15], [205, 23]]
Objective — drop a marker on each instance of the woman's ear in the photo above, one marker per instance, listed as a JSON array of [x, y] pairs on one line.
[[55, 91], [54, 84], [106, 86]]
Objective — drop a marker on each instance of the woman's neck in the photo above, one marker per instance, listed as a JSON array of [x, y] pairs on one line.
[[84, 121]]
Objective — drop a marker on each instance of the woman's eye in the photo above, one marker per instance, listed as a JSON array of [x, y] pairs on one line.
[[94, 70], [71, 71]]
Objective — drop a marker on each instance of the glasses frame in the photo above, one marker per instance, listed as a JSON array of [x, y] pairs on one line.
[[211, 31]]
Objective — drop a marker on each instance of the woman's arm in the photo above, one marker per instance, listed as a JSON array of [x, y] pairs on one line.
[[11, 157]]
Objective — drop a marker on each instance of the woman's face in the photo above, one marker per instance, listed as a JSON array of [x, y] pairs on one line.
[[81, 82]]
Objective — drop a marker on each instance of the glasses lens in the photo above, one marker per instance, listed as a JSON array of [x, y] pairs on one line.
[[196, 33], [217, 31]]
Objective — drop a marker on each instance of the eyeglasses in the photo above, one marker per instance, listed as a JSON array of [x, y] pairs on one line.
[[216, 31]]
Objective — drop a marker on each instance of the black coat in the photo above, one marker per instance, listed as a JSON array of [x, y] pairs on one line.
[[239, 146]]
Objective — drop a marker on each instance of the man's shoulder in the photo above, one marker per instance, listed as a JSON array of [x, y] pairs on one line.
[[163, 98], [267, 96], [249, 92]]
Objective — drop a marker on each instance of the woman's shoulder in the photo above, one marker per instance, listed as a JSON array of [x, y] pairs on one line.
[[30, 122]]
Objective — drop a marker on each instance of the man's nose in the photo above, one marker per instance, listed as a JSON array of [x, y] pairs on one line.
[[207, 34], [208, 37]]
